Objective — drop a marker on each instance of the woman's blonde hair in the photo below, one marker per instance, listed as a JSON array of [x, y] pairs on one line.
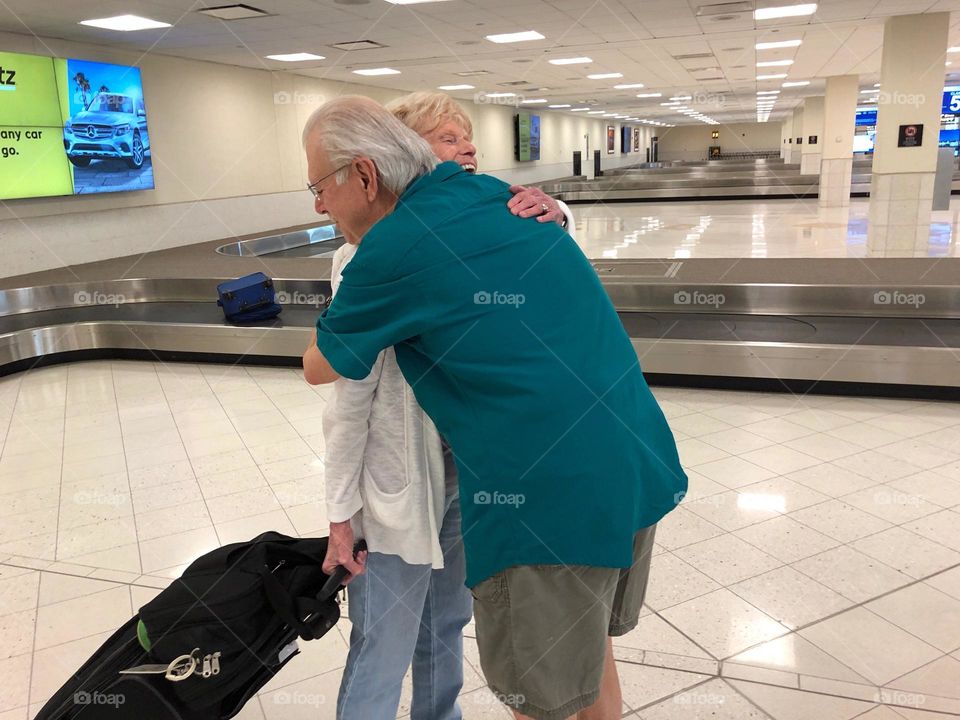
[[425, 111]]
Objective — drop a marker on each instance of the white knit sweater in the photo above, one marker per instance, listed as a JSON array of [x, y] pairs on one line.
[[384, 461]]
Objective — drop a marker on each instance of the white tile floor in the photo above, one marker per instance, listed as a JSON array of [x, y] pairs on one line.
[[745, 229], [813, 572]]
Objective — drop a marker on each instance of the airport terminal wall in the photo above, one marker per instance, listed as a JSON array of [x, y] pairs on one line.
[[227, 159]]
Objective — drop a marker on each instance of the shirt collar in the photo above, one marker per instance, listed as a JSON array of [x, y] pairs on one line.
[[442, 172]]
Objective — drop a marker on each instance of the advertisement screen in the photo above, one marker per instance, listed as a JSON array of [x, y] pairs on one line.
[[71, 127], [626, 139], [528, 136], [863, 143]]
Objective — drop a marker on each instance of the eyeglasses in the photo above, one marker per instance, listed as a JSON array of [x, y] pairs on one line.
[[317, 191]]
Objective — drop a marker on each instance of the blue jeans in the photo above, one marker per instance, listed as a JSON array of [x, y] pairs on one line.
[[402, 613]]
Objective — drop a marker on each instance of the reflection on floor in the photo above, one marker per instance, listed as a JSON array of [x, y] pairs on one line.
[[744, 229], [812, 572]]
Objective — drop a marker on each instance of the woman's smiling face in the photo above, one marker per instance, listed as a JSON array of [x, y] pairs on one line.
[[451, 142]]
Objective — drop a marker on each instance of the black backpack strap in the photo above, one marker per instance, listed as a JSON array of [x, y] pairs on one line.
[[290, 609]]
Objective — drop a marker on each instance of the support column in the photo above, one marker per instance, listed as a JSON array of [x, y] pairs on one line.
[[812, 136], [796, 149], [786, 138], [911, 92], [839, 124]]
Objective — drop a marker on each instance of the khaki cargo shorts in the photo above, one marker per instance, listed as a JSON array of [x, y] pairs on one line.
[[542, 629]]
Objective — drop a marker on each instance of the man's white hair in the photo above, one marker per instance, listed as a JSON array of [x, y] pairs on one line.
[[354, 126]]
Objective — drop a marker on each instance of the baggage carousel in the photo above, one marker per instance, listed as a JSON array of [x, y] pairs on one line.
[[706, 180], [888, 326]]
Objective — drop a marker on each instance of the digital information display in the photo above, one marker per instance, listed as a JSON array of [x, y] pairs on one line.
[[528, 136], [71, 127]]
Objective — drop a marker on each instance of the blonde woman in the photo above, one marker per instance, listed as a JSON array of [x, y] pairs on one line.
[[391, 479]]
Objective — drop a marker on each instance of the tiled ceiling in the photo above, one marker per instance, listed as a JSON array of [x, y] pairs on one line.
[[704, 49]]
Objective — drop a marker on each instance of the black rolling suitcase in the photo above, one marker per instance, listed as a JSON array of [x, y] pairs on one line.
[[212, 639]]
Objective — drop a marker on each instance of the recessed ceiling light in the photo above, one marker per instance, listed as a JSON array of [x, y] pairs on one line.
[[358, 45], [579, 109], [234, 12], [471, 73], [629, 86], [556, 107], [784, 11], [500, 94], [125, 23], [570, 61], [777, 76], [412, 2], [295, 57], [649, 95], [868, 92], [377, 71], [455, 87], [797, 83], [534, 102], [608, 115], [777, 44], [877, 85], [604, 76], [524, 36], [682, 97], [775, 63], [595, 112], [768, 92]]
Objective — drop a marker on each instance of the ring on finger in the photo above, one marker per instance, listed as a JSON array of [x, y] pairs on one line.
[[544, 207]]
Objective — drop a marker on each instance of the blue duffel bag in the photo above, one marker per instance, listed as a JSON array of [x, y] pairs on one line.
[[250, 298]]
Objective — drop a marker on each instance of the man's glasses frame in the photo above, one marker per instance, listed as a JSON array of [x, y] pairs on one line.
[[317, 191]]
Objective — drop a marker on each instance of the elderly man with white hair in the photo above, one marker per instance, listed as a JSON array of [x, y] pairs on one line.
[[392, 480], [511, 345]]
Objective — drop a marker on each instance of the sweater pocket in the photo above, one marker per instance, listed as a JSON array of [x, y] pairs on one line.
[[388, 509]]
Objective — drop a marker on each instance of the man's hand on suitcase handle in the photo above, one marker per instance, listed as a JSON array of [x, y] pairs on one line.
[[340, 551]]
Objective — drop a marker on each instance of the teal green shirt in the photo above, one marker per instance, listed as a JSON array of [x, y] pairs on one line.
[[513, 348]]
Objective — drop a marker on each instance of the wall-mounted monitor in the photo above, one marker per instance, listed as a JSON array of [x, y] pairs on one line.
[[527, 133], [71, 127], [626, 138]]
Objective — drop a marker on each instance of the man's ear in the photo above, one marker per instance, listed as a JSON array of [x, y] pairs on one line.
[[367, 172]]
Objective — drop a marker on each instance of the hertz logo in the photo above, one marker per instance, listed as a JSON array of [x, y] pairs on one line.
[[6, 79]]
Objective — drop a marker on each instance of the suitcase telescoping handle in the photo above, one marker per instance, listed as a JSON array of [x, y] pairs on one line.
[[333, 583]]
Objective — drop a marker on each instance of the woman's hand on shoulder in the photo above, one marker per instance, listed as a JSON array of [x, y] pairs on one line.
[[533, 202]]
